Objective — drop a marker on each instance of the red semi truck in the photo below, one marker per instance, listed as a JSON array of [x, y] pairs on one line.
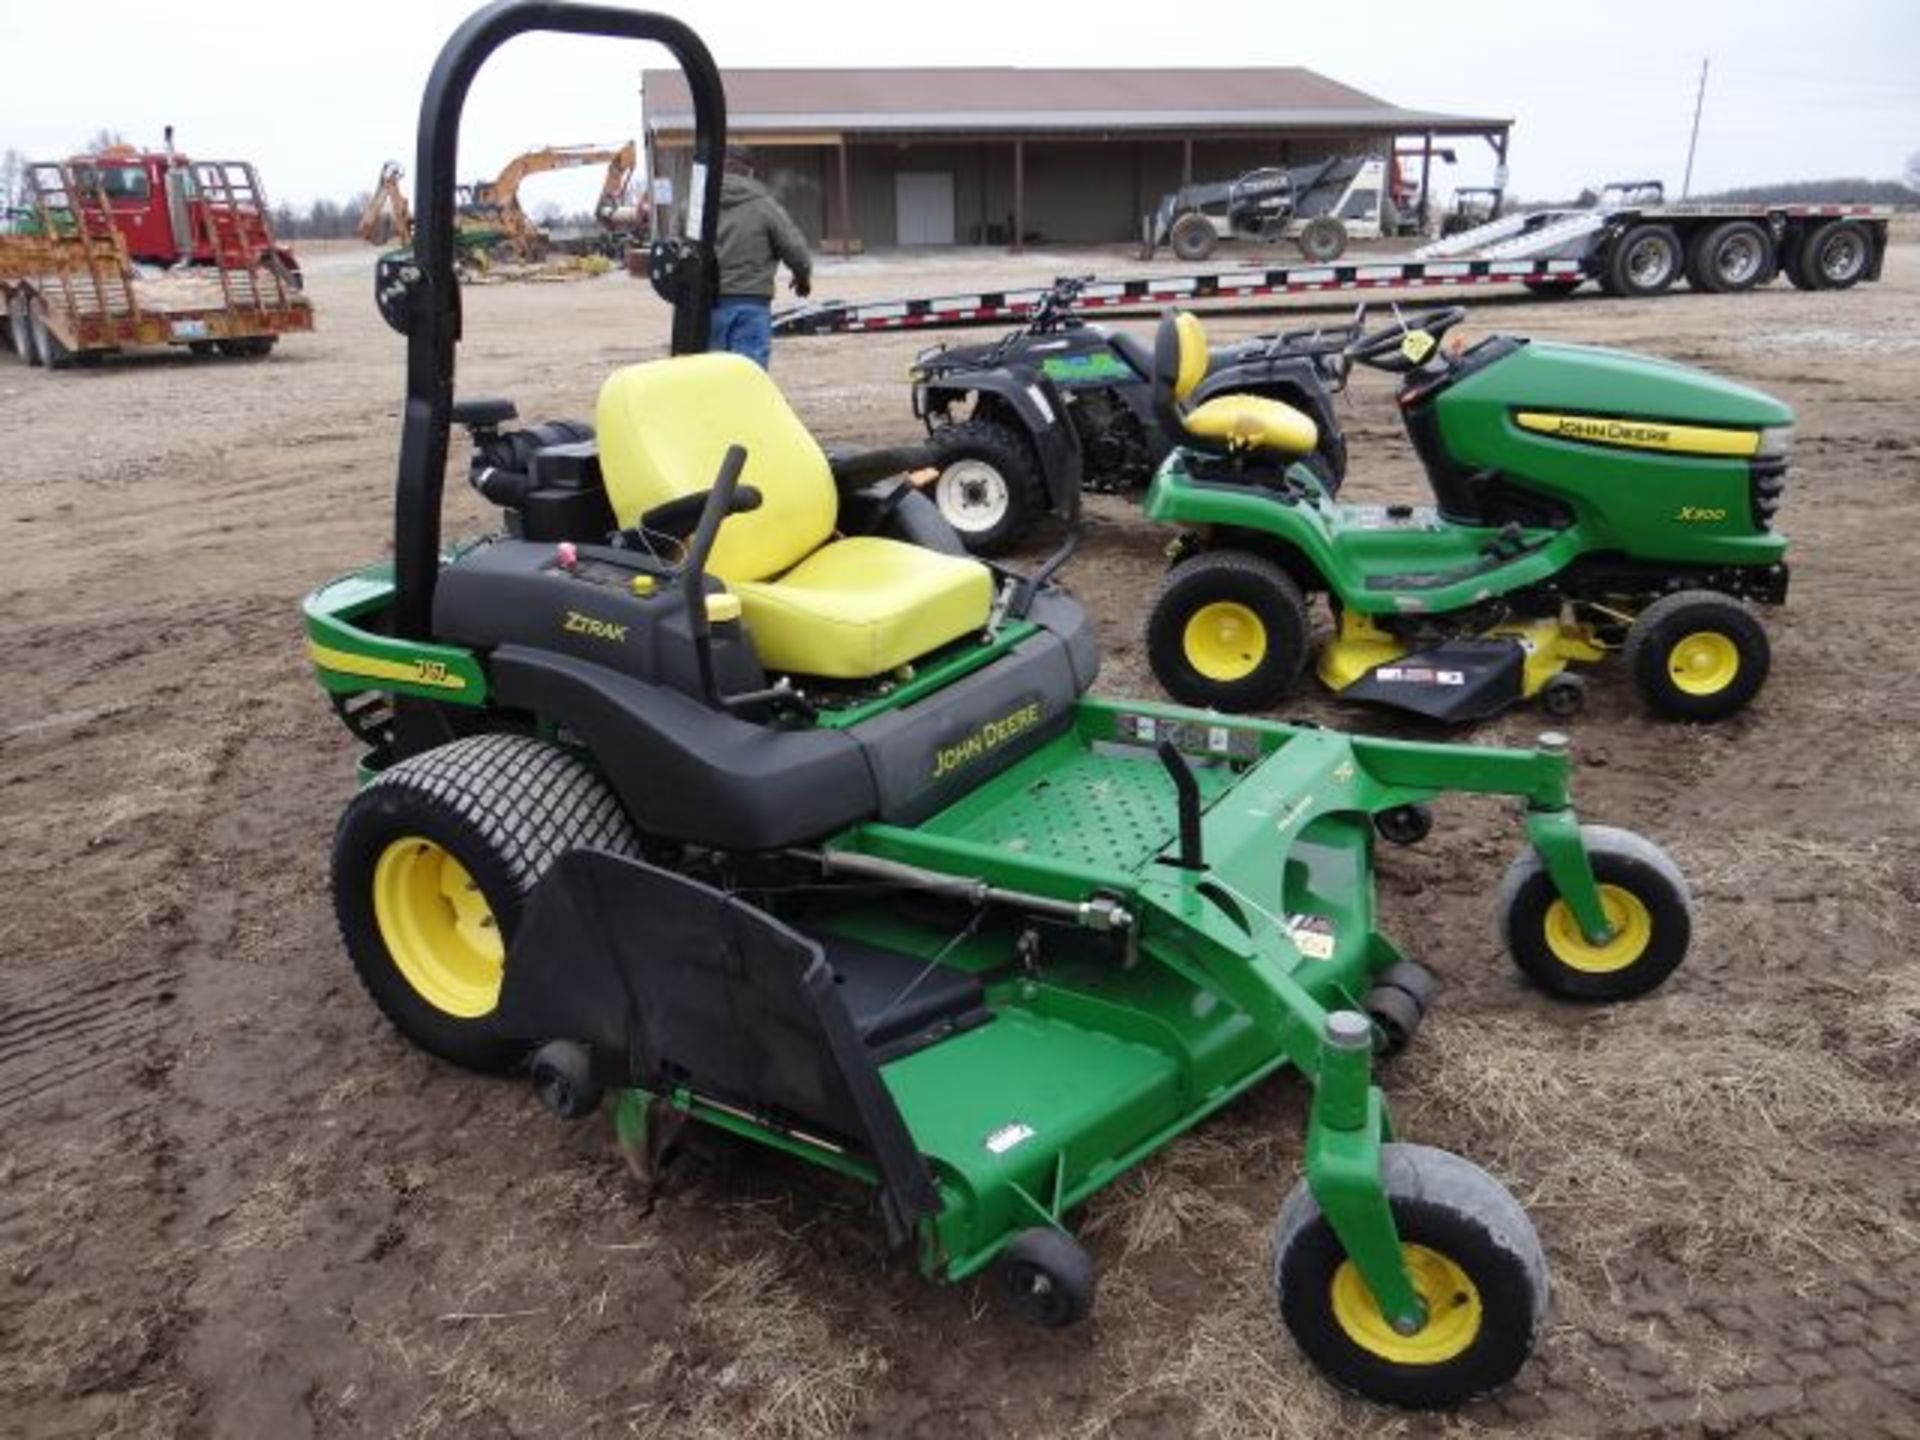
[[155, 200]]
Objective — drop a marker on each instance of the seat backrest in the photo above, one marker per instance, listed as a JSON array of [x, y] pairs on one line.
[[664, 427], [1179, 364]]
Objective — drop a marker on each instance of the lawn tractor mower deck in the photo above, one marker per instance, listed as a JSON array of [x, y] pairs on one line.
[[755, 801]]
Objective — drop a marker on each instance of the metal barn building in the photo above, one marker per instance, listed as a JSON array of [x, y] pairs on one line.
[[998, 156]]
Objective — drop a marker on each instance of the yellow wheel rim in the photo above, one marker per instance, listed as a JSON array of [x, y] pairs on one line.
[[438, 928], [1627, 917], [1225, 641], [1703, 663], [1452, 1303]]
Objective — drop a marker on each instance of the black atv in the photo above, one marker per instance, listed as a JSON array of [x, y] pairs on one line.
[[1001, 444]]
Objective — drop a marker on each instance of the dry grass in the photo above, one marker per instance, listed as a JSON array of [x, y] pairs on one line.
[[1703, 1145], [782, 1369]]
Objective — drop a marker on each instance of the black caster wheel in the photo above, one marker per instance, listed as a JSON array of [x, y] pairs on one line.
[[1564, 696], [1049, 1277], [562, 1074], [1396, 1015], [1404, 824]]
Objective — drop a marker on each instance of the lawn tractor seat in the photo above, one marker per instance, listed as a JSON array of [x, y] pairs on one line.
[[1226, 424], [843, 608]]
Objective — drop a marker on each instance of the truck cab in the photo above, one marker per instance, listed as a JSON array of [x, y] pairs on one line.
[[154, 197]]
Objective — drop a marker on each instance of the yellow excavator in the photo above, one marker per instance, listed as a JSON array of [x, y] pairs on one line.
[[488, 213]]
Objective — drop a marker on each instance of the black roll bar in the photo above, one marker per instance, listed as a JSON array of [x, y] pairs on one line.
[[432, 310]]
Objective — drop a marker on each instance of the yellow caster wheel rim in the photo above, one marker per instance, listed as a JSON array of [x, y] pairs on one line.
[[1225, 641], [1451, 1299], [1627, 917], [1703, 663], [438, 928]]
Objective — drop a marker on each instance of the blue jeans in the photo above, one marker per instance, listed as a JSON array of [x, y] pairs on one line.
[[744, 325]]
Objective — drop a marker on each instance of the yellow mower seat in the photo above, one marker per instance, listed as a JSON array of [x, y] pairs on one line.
[[1253, 422], [842, 608], [1226, 422]]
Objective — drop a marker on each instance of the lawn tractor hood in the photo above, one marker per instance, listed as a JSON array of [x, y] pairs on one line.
[[1588, 380]]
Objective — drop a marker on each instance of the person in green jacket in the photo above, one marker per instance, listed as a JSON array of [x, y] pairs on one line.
[[755, 236]]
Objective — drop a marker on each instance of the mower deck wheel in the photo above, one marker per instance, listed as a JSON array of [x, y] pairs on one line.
[[1404, 824], [1697, 655], [1648, 908], [1396, 1017], [1474, 1260], [1049, 1276], [432, 866], [562, 1075], [1564, 696], [1228, 631]]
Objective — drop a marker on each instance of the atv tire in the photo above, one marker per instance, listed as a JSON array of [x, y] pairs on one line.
[[1697, 655], [1645, 261], [989, 488], [1228, 631], [1192, 237], [433, 864], [1323, 240]]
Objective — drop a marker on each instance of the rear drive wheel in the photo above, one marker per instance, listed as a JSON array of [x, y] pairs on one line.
[[1474, 1260], [1323, 240], [1192, 237], [1730, 258], [1645, 261], [989, 488], [1648, 909], [432, 866], [1228, 631], [1697, 655]]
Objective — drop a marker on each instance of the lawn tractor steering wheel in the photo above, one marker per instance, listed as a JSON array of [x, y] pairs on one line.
[[1387, 348]]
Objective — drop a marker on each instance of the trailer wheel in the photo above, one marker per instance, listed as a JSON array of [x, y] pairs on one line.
[[1731, 258], [20, 330], [433, 863], [1834, 256], [1323, 240], [1648, 909], [1228, 631], [252, 347], [1474, 1259], [1645, 261], [1193, 237], [47, 346]]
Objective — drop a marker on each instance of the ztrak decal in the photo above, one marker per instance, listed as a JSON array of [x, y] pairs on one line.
[[989, 737], [1641, 434], [578, 624]]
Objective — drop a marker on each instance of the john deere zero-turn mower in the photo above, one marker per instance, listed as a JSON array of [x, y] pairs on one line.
[[1586, 501], [725, 781]]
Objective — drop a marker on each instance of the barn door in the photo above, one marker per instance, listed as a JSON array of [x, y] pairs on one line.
[[923, 207]]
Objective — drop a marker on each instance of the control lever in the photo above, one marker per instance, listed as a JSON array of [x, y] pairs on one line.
[[1186, 789]]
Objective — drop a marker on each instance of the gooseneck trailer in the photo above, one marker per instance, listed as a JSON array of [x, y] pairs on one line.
[[1635, 247]]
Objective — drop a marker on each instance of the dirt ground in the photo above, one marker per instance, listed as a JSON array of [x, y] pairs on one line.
[[234, 1203]]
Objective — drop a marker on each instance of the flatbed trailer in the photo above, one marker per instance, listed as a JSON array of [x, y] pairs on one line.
[[1635, 251], [72, 294]]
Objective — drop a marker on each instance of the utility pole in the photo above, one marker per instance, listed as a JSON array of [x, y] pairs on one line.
[[1700, 99]]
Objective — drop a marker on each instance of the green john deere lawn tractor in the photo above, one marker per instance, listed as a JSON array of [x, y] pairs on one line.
[[1586, 502], [723, 780]]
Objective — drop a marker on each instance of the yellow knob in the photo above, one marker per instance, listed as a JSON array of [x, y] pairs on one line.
[[722, 608]]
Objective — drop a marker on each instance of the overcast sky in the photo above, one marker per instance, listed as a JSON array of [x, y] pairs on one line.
[[318, 95]]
